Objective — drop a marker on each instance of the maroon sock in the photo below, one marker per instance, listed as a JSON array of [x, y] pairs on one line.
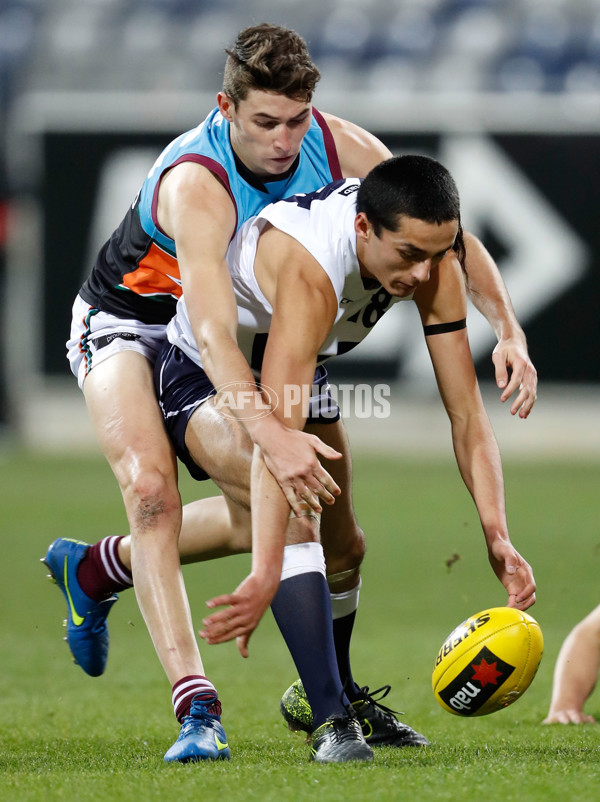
[[101, 572], [194, 685]]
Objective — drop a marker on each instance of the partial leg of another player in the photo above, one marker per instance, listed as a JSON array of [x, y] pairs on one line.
[[120, 396]]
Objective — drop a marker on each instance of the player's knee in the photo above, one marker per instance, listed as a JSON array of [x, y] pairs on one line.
[[346, 553], [151, 498], [360, 545]]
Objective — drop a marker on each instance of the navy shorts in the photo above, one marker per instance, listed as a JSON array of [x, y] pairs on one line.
[[182, 385]]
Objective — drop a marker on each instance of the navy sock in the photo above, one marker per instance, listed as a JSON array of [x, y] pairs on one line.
[[342, 633], [302, 610]]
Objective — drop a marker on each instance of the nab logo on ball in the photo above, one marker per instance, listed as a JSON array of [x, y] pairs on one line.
[[487, 662], [476, 683]]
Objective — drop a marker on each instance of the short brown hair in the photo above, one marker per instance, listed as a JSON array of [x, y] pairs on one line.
[[272, 59]]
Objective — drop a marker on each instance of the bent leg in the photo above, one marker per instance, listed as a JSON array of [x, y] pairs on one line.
[[208, 530], [210, 527], [224, 450]]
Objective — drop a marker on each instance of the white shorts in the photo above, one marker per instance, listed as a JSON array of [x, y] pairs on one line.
[[96, 336]]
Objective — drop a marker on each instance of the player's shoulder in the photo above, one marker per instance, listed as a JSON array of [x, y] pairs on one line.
[[190, 188], [328, 202], [193, 178], [358, 150], [318, 219]]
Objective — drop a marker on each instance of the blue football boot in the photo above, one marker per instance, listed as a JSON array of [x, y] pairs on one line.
[[202, 736], [87, 631]]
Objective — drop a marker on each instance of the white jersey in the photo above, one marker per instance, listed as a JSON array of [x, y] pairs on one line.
[[323, 222]]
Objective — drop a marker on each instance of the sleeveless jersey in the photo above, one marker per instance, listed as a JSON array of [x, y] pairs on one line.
[[323, 222], [136, 274]]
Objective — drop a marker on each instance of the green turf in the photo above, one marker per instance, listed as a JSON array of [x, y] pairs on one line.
[[64, 736]]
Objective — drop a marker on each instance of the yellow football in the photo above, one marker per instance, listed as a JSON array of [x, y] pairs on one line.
[[487, 662]]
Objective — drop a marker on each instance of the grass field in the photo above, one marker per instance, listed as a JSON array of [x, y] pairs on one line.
[[65, 736]]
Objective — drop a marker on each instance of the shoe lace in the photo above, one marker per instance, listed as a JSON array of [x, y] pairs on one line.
[[199, 715], [342, 730], [370, 697], [207, 709]]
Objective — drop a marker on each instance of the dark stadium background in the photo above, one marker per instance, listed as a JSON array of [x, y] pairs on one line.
[[563, 338]]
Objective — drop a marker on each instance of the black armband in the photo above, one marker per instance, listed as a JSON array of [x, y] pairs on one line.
[[444, 328]]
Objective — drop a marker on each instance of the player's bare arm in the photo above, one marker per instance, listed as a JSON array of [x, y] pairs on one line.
[[488, 293], [358, 150], [576, 673], [304, 307], [195, 209], [442, 301]]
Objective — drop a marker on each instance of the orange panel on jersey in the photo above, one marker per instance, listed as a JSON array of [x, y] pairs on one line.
[[157, 274]]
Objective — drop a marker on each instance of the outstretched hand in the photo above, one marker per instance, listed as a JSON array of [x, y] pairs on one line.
[[512, 353], [243, 610], [514, 573]]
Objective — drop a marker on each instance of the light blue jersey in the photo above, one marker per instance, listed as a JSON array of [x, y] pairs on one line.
[[136, 274]]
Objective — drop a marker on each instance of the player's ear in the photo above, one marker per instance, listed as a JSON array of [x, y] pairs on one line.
[[362, 227], [225, 104]]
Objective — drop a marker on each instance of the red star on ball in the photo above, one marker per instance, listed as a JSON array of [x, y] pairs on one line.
[[486, 672]]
